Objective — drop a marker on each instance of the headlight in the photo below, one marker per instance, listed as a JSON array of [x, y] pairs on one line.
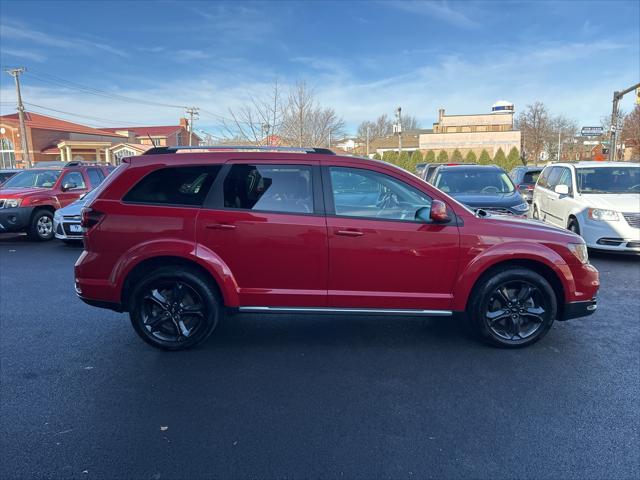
[[12, 202], [523, 207], [602, 215], [580, 251]]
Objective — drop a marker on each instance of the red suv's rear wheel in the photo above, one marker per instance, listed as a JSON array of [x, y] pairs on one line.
[[174, 308], [513, 308]]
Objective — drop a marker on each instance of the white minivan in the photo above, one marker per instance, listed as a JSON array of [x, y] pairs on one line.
[[598, 200]]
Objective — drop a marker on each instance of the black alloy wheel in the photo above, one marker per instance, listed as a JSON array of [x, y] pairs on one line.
[[514, 308], [175, 310]]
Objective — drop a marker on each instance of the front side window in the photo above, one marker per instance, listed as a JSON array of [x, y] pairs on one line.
[[272, 188], [544, 177], [367, 194], [174, 186], [608, 180], [33, 178], [554, 177], [565, 178], [73, 180]]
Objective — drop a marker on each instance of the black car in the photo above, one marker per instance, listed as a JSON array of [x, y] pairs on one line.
[[525, 179], [6, 174], [485, 187]]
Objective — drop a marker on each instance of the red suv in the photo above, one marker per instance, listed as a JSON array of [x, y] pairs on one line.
[[29, 199], [178, 237]]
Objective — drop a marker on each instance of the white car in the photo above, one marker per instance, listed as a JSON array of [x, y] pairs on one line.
[[598, 200]]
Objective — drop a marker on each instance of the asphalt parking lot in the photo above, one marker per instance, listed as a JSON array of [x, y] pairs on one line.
[[289, 397]]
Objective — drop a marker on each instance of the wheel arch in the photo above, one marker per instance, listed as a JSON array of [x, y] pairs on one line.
[[540, 268], [142, 268]]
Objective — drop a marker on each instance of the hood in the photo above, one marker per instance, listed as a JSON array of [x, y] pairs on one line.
[[488, 200], [73, 209], [620, 202], [21, 192], [529, 227]]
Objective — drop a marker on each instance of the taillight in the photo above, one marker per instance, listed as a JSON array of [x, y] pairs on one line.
[[89, 218]]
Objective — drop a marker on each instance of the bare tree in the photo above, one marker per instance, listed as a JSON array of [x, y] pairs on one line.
[[631, 131], [534, 123], [258, 121], [306, 123], [565, 130], [383, 126]]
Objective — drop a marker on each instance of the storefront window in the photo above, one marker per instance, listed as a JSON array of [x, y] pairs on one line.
[[7, 154]]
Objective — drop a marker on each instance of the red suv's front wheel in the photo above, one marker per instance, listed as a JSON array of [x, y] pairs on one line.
[[514, 307], [174, 308]]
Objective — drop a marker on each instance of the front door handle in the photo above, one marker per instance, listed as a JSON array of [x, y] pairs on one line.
[[220, 226], [350, 233]]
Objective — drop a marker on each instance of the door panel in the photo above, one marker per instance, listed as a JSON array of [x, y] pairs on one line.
[[278, 258], [391, 264], [379, 256]]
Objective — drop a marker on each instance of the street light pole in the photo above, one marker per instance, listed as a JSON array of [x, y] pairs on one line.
[[559, 143], [367, 140], [26, 156], [614, 120]]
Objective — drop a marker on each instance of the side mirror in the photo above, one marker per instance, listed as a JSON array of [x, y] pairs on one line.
[[439, 212], [68, 186], [561, 189]]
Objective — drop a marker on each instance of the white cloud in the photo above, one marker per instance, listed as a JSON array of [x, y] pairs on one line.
[[441, 10], [23, 54], [17, 31]]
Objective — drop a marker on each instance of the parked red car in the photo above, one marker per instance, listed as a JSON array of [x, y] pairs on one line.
[[29, 199], [176, 238]]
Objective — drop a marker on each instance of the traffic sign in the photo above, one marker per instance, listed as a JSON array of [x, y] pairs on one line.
[[591, 131]]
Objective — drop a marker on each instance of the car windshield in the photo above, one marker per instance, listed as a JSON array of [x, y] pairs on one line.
[[474, 181], [608, 180], [33, 178]]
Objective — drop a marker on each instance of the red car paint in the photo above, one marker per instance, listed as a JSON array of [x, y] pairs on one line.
[[315, 260]]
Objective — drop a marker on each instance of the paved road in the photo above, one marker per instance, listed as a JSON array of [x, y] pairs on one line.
[[287, 397]]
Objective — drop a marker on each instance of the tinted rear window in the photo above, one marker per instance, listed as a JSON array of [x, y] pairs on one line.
[[174, 186], [531, 177]]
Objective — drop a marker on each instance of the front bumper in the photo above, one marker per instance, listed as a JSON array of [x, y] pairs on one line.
[[62, 228], [15, 219], [612, 236], [579, 309]]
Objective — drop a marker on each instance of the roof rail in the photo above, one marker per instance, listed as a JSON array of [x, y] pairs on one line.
[[261, 148]]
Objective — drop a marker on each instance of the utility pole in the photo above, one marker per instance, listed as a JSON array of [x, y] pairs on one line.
[[397, 128], [191, 111], [15, 73], [559, 144], [368, 140], [614, 120]]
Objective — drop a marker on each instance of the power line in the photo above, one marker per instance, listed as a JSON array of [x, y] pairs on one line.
[[59, 81], [100, 119]]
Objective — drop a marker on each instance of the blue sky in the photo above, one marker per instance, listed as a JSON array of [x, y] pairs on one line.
[[362, 58]]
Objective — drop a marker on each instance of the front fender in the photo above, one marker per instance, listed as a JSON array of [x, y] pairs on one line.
[[186, 250], [42, 202], [505, 253]]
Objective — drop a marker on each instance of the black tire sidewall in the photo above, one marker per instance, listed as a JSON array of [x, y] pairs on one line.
[[195, 280], [33, 226], [574, 222], [484, 290]]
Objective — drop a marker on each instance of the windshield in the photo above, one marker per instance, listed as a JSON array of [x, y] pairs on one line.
[[474, 181], [608, 180], [33, 178]]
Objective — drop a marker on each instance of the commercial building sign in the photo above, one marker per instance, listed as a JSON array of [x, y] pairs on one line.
[[591, 131]]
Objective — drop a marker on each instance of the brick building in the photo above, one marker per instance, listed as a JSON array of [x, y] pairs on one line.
[[50, 138], [477, 132]]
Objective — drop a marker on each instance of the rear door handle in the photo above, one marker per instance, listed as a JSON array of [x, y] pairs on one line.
[[220, 226], [350, 233]]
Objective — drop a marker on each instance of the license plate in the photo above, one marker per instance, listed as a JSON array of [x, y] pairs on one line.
[[75, 228]]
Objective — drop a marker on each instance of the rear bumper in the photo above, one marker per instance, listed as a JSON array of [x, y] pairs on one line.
[[579, 309], [15, 219]]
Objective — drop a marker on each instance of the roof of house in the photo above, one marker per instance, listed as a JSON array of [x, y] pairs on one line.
[[138, 147], [158, 131], [44, 122]]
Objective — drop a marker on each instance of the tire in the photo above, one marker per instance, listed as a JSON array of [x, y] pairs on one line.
[[41, 226], [501, 318], [574, 226], [164, 308], [535, 213]]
